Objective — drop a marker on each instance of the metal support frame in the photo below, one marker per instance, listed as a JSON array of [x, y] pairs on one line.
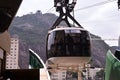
[[68, 8]]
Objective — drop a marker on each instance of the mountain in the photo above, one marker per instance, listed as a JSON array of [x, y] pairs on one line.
[[114, 48], [99, 50], [32, 30]]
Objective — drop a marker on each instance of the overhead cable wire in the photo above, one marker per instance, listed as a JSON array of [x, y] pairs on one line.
[[97, 4], [90, 6], [49, 9]]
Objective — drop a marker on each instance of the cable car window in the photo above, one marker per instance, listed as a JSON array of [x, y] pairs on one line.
[[50, 40], [72, 31], [69, 43]]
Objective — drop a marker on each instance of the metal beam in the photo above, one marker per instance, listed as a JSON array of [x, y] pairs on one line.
[[22, 74]]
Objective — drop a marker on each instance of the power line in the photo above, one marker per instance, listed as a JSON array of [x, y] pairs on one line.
[[49, 9], [90, 6], [94, 5]]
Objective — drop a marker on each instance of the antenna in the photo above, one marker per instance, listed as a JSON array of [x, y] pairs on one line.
[[64, 8]]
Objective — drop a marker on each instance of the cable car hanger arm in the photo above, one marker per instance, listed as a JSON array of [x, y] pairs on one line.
[[62, 5]]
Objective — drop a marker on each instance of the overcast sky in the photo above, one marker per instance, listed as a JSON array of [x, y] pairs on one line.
[[102, 19]]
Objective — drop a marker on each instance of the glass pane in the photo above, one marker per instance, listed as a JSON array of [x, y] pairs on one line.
[[69, 43], [72, 31]]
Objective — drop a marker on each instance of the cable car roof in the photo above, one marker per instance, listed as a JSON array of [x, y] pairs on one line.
[[66, 28]]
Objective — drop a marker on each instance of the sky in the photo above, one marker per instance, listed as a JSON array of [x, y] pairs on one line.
[[102, 19]]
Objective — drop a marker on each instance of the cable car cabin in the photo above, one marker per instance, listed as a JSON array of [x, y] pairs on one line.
[[68, 42]]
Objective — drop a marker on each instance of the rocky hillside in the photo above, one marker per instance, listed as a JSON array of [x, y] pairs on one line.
[[32, 29], [99, 50]]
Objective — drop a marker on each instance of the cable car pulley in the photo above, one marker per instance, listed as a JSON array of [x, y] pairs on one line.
[[64, 8]]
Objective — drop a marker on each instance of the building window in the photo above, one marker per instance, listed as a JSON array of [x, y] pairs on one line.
[[63, 72], [63, 75]]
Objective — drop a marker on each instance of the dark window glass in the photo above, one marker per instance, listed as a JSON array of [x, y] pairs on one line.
[[68, 43]]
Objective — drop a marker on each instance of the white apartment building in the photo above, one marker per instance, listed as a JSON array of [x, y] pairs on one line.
[[12, 58], [59, 75]]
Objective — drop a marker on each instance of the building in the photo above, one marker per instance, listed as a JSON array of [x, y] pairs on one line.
[[93, 72], [12, 58], [59, 75]]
